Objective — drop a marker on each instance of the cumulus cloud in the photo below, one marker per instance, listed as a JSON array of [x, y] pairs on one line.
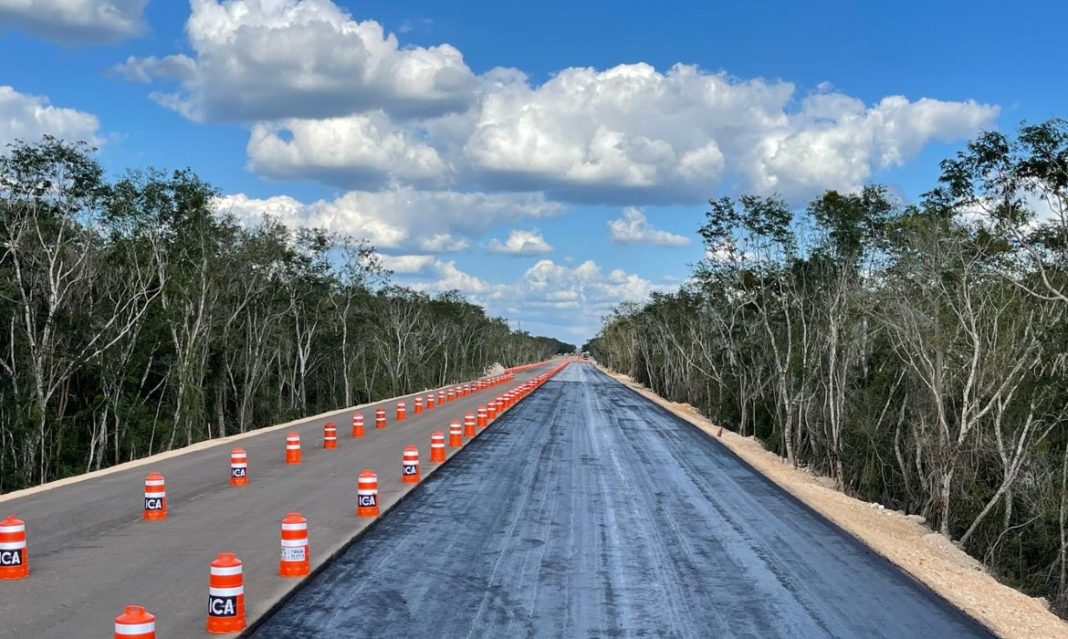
[[28, 117], [557, 298], [398, 218], [354, 152], [75, 21], [634, 134], [446, 276], [634, 228], [277, 59], [627, 135], [521, 242], [407, 264]]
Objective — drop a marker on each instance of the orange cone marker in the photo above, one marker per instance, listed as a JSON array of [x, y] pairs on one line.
[[238, 467], [410, 465], [402, 411], [483, 420], [14, 556], [418, 405], [155, 497], [329, 435], [430, 401], [437, 447], [226, 595], [367, 494], [357, 425], [293, 448], [456, 434], [295, 561], [442, 397], [380, 418], [491, 412], [469, 425], [135, 623], [451, 394]]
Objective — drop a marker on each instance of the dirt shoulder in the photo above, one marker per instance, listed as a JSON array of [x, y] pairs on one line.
[[904, 540]]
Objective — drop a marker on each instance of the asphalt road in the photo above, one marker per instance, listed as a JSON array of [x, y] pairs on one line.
[[90, 553], [588, 511]]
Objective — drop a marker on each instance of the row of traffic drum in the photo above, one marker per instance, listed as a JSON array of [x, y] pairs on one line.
[[226, 602]]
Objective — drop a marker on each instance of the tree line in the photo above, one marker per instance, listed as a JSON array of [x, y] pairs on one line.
[[135, 318], [914, 353]]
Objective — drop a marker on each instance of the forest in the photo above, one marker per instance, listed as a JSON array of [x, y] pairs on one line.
[[136, 318], [912, 352]]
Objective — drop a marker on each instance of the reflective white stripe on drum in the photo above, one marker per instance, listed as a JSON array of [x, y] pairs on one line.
[[134, 628], [223, 571], [226, 592], [12, 529], [367, 492], [12, 545], [155, 482], [294, 543], [294, 526], [161, 493], [238, 465]]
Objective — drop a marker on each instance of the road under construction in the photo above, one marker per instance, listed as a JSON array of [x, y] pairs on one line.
[[91, 552], [583, 511]]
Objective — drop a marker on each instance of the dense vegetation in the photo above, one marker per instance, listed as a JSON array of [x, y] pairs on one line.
[[134, 318], [913, 353]]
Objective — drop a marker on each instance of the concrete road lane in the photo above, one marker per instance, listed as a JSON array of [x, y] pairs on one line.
[[90, 553], [589, 511]]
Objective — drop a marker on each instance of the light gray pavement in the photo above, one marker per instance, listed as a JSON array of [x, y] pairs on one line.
[[588, 511], [90, 552]]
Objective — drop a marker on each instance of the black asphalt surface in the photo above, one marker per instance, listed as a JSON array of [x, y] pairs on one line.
[[588, 511]]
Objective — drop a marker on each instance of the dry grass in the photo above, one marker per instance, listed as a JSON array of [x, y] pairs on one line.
[[903, 539]]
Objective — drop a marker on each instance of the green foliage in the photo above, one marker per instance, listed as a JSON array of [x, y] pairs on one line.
[[137, 318]]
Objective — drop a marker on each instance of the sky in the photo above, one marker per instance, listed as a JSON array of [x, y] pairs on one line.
[[548, 160]]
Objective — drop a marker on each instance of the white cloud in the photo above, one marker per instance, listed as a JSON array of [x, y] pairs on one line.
[[521, 242], [626, 135], [28, 117], [835, 141], [569, 299], [556, 298], [634, 134], [634, 228], [75, 21], [275, 59], [398, 218], [407, 264], [446, 276], [354, 152]]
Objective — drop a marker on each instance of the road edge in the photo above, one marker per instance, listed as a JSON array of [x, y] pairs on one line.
[[228, 439], [980, 606]]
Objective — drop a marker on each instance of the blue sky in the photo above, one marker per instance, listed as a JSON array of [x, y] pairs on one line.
[[547, 160]]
